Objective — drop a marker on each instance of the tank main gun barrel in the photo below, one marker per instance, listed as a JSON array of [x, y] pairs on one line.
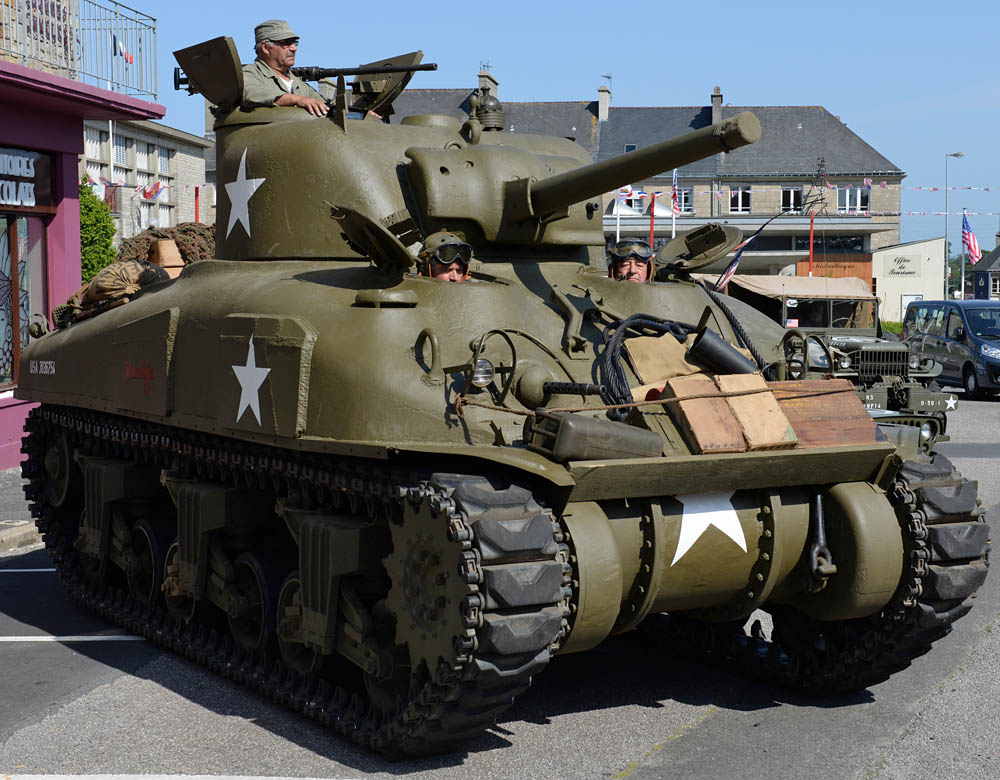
[[312, 73], [558, 192]]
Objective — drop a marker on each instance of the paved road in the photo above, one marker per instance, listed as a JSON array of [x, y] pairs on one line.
[[623, 710]]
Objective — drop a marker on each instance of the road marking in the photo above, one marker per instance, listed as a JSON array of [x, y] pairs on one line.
[[25, 571], [75, 638]]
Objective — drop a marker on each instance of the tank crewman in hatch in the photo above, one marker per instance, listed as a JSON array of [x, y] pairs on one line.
[[268, 80], [629, 260], [445, 256]]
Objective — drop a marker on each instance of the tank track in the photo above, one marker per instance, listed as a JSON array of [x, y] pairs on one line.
[[512, 550], [946, 541]]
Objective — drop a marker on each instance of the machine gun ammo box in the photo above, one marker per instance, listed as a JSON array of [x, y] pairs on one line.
[[565, 436]]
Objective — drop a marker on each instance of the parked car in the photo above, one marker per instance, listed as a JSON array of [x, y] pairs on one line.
[[963, 336]]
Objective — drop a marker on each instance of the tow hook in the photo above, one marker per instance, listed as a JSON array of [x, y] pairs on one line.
[[821, 565]]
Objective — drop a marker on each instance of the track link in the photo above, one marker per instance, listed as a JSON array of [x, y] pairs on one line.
[[515, 561], [946, 541]]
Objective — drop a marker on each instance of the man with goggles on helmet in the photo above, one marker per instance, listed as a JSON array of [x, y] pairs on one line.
[[445, 256], [629, 260]]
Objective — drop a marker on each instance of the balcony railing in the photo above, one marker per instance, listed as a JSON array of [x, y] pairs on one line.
[[107, 45]]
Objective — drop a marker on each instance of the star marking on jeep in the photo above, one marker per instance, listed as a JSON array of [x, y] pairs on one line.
[[239, 193], [702, 510], [950, 402], [250, 377]]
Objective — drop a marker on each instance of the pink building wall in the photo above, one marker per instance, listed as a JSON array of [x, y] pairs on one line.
[[45, 113]]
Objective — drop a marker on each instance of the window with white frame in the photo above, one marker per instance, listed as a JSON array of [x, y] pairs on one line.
[[121, 175], [638, 199], [164, 156], [121, 150], [93, 143], [630, 148], [685, 199], [95, 171], [144, 214], [165, 191], [142, 178], [739, 199], [994, 285], [142, 155], [791, 200], [852, 199], [163, 215]]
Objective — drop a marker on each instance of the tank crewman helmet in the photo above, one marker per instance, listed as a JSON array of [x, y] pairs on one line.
[[444, 248], [628, 248]]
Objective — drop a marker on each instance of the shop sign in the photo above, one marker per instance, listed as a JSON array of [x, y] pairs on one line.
[[902, 265], [25, 178]]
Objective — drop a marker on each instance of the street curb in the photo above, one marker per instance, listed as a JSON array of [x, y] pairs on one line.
[[19, 536]]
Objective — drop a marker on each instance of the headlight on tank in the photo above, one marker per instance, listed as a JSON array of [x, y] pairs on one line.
[[926, 431], [483, 373]]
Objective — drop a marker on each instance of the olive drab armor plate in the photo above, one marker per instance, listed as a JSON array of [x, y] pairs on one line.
[[214, 70], [387, 500]]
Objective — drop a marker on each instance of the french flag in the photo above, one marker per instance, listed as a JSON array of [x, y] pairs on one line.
[[120, 50]]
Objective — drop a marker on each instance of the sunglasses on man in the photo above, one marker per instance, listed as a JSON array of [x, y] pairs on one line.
[[284, 44]]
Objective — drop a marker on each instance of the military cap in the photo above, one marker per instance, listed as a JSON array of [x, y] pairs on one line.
[[273, 30]]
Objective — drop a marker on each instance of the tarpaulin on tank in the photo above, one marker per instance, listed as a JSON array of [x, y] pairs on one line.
[[120, 279]]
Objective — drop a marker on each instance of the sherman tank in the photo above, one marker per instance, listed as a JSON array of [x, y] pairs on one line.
[[388, 501]]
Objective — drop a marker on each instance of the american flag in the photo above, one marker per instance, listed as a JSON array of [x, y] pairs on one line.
[[969, 239], [675, 203]]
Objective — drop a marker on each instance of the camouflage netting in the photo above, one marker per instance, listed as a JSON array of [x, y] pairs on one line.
[[194, 241]]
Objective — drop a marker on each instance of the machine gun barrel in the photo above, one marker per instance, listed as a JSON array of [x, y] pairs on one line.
[[558, 192], [312, 73]]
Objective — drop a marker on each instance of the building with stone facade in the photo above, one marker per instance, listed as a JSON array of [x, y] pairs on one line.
[[806, 160], [149, 174]]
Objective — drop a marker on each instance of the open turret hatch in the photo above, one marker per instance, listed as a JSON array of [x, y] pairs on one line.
[[212, 68]]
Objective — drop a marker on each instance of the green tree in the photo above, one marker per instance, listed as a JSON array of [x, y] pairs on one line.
[[96, 230]]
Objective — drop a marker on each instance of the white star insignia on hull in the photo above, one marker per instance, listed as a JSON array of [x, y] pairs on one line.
[[702, 510], [250, 378], [950, 402]]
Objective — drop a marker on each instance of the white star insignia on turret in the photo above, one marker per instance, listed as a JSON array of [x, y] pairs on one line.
[[239, 193], [250, 377], [702, 510]]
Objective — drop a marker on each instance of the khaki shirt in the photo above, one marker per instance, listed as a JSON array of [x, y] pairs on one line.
[[262, 86]]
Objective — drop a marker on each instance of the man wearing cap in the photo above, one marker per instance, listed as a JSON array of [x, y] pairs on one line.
[[629, 260], [445, 256], [268, 80]]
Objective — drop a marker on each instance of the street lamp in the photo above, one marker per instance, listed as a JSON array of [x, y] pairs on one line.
[[946, 266]]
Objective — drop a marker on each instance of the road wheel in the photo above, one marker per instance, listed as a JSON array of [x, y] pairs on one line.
[[971, 383]]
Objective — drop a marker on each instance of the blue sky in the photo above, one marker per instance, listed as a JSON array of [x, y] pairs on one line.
[[916, 80]]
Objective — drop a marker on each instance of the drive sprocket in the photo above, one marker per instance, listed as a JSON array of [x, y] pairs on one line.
[[434, 595]]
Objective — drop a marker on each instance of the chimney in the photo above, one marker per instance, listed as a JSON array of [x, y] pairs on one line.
[[716, 105], [603, 103], [488, 84]]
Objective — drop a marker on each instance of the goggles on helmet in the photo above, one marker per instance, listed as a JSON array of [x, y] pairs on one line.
[[626, 248], [453, 253]]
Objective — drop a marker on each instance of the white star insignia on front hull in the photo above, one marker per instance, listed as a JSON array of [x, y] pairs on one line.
[[239, 193], [251, 378], [950, 402], [702, 510]]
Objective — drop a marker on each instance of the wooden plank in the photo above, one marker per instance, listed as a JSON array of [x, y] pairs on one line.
[[765, 426], [707, 423], [679, 475], [825, 412]]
